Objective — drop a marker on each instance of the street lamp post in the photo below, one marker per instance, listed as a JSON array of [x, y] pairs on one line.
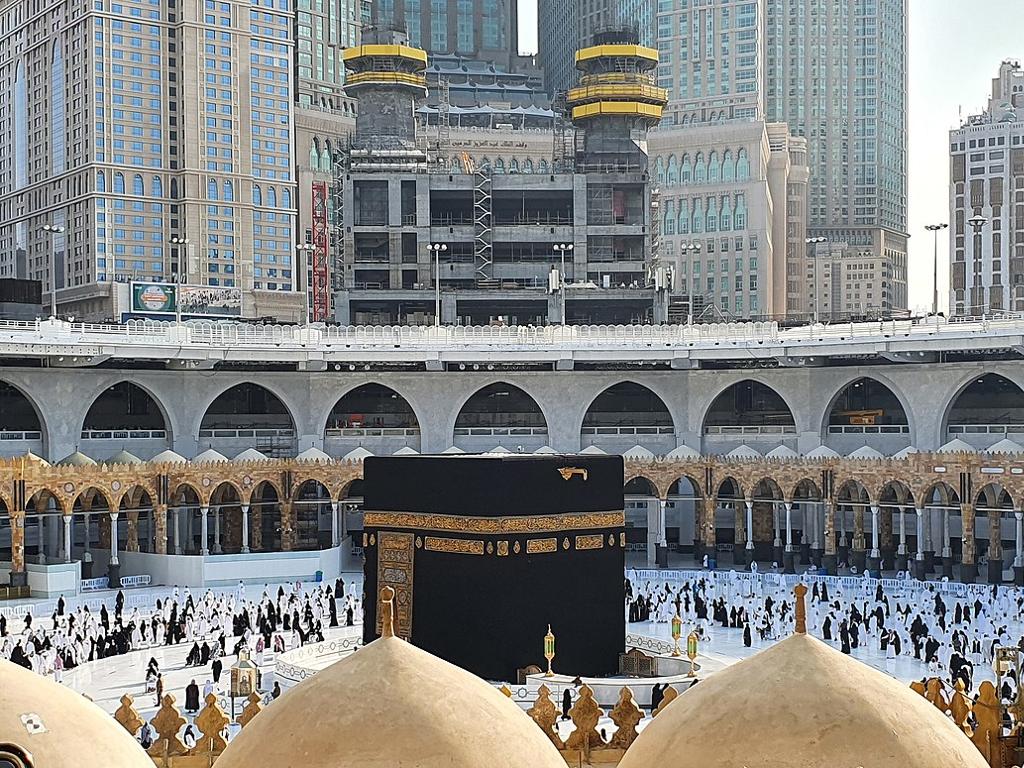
[[53, 229], [977, 222], [814, 241], [560, 249], [935, 229], [304, 249], [437, 249], [693, 249], [180, 276]]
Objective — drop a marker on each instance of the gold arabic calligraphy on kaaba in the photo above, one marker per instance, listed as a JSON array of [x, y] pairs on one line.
[[395, 570], [539, 546], [494, 525], [457, 546]]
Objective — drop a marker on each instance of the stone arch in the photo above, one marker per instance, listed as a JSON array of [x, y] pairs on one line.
[[373, 415], [27, 421], [248, 415], [136, 503], [626, 413], [265, 513], [946, 493], [639, 485], [747, 409], [863, 406], [481, 425], [126, 406], [767, 489], [806, 489], [985, 409]]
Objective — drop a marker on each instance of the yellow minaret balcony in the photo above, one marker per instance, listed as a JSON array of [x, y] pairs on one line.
[[385, 65], [617, 81]]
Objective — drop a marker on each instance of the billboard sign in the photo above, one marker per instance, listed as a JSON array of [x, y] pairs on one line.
[[168, 298]]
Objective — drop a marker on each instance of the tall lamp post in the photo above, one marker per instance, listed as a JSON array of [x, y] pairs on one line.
[[692, 249], [304, 250], [935, 229], [977, 222], [560, 249], [184, 242], [437, 249], [815, 241], [53, 229]]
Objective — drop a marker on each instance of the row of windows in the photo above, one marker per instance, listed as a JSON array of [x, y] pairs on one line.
[[698, 170]]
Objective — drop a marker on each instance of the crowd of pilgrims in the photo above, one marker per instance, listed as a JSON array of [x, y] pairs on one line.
[[216, 625], [949, 636]]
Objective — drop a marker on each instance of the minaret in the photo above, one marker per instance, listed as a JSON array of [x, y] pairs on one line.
[[386, 75], [616, 102]]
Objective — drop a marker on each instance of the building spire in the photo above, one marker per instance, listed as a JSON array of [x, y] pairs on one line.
[[801, 609], [387, 612]]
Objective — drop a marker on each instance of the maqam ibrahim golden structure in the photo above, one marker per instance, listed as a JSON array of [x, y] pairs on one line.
[[391, 705], [46, 725], [801, 704]]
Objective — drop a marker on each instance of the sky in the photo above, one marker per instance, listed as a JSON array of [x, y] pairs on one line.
[[956, 47]]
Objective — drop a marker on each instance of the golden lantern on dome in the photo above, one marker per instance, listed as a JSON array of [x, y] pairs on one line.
[[691, 653], [677, 632], [549, 651]]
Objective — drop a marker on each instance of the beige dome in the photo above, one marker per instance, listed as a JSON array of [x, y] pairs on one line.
[[801, 704], [387, 705], [60, 728]]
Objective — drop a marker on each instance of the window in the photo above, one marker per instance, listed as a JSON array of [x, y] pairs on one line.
[[138, 188], [158, 187], [119, 183], [257, 195]]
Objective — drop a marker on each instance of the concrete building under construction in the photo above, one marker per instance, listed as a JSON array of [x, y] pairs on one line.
[[564, 236]]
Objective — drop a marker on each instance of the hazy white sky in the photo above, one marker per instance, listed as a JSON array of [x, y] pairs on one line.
[[955, 50]]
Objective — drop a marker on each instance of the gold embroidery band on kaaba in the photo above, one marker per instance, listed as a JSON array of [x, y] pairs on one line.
[[593, 541], [495, 525], [457, 546], [538, 546]]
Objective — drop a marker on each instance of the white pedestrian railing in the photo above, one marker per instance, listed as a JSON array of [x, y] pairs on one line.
[[628, 430], [373, 432], [15, 435], [986, 429], [500, 431], [752, 431], [868, 429], [241, 432], [124, 434]]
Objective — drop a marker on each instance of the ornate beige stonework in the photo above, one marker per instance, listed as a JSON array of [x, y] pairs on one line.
[[27, 485]]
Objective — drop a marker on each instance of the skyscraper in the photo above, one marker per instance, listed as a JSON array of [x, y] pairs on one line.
[[986, 202], [129, 148], [565, 25], [479, 29], [836, 72]]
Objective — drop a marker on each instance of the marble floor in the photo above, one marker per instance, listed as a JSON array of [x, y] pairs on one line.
[[107, 680]]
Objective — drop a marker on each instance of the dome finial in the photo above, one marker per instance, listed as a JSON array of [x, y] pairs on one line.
[[387, 612], [801, 609]]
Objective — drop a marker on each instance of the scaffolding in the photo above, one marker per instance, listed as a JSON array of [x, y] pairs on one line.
[[483, 227], [444, 124], [564, 137], [337, 226]]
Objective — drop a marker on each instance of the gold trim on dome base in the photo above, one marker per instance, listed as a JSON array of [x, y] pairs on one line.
[[455, 546], [494, 525]]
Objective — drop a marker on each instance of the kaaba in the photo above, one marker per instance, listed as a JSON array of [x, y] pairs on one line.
[[485, 552]]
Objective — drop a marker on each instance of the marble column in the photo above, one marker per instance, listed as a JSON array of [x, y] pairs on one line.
[[789, 553], [88, 534], [661, 546], [177, 530], [778, 550], [1019, 554], [204, 531], [335, 538], [245, 529], [41, 539], [113, 539], [750, 531], [19, 575], [217, 549], [67, 537], [875, 556]]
